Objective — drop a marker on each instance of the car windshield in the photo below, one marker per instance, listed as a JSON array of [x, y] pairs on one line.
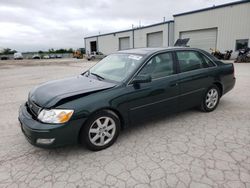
[[116, 67]]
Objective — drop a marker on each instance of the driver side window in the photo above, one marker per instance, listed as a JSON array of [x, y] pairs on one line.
[[159, 66]]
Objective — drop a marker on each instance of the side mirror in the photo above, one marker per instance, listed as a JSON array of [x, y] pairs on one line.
[[141, 79]]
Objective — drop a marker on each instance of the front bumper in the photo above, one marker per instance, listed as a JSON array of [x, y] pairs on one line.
[[61, 134]]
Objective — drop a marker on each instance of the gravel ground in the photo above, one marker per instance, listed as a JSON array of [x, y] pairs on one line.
[[189, 149]]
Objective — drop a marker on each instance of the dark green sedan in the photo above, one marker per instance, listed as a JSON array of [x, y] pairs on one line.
[[124, 87]]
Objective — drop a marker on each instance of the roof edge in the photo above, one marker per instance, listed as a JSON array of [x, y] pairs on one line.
[[123, 31], [213, 7]]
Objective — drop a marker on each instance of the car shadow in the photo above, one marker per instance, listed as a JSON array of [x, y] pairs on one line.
[[146, 123]]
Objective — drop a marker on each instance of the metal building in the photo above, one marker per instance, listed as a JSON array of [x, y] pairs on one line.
[[157, 35], [224, 27]]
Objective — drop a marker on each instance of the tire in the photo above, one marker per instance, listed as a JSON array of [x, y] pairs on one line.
[[101, 130], [240, 59], [211, 99]]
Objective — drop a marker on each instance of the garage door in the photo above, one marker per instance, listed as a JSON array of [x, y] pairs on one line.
[[155, 39], [123, 43], [203, 39]]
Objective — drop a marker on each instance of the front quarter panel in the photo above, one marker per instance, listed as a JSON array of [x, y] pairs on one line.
[[114, 99]]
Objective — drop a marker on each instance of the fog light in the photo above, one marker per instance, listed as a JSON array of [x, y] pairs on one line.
[[45, 140]]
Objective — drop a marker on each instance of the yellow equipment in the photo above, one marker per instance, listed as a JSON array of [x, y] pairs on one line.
[[79, 53]]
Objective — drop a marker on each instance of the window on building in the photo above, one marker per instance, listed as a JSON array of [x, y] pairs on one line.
[[241, 44]]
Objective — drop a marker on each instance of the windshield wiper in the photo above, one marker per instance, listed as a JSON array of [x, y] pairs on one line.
[[87, 73], [98, 76]]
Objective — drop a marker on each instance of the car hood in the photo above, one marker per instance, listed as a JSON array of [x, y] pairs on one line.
[[50, 93]]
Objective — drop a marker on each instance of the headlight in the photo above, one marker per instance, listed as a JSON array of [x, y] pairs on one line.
[[55, 115]]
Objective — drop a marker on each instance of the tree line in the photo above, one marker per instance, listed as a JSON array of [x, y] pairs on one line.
[[8, 51]]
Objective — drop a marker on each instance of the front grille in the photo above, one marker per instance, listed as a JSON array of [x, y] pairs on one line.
[[33, 107]]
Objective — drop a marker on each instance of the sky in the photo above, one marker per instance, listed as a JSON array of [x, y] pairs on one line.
[[31, 25]]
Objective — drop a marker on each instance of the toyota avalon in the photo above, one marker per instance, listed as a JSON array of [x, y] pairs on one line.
[[93, 107]]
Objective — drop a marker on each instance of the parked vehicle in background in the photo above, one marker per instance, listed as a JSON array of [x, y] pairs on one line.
[[224, 56], [46, 57], [216, 53], [243, 55], [228, 54], [95, 55], [53, 56], [4, 57], [120, 90], [18, 56], [36, 56], [58, 56]]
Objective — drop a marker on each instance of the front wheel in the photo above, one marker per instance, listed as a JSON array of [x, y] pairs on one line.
[[101, 130], [211, 99]]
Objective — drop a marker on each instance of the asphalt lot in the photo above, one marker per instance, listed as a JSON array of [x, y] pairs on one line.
[[189, 149]]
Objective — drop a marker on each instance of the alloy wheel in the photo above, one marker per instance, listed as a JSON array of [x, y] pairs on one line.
[[212, 98], [102, 131]]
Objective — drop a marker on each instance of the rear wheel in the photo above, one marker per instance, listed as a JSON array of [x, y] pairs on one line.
[[101, 130], [211, 99]]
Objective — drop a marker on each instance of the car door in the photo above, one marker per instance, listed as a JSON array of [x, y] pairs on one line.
[[157, 96], [194, 77]]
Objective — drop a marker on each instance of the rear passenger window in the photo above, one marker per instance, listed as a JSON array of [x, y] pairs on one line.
[[189, 60], [207, 62]]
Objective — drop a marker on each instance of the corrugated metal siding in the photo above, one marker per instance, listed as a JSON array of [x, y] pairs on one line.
[[232, 23], [109, 43], [141, 35], [155, 39], [124, 43], [203, 39], [171, 34]]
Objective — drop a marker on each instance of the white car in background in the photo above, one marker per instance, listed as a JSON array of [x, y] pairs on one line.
[[46, 57], [95, 55], [18, 56]]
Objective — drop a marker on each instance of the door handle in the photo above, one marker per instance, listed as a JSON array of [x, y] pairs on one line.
[[174, 84]]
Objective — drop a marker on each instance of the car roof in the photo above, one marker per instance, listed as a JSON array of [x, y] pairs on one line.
[[149, 51]]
